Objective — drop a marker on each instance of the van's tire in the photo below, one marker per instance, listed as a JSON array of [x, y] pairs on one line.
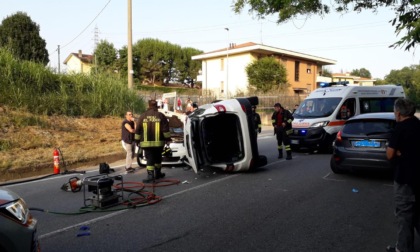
[[334, 167]]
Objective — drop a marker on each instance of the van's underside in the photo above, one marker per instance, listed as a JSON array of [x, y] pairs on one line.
[[221, 139]]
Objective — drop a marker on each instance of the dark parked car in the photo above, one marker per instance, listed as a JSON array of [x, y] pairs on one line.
[[361, 144], [18, 229]]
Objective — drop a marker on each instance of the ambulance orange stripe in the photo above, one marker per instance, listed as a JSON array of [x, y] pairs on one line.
[[336, 123]]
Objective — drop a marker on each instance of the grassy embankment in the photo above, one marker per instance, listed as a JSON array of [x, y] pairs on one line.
[[41, 110]]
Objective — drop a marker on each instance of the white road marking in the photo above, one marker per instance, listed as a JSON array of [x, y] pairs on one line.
[[328, 174], [82, 223], [125, 210]]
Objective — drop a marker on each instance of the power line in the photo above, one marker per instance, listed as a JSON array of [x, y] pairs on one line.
[[87, 26]]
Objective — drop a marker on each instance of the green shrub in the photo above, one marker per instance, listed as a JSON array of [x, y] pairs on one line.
[[37, 89]]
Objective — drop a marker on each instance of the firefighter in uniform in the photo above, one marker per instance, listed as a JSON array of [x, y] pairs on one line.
[[257, 121], [282, 123], [152, 133]]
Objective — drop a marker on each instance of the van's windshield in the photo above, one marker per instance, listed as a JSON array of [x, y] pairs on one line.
[[318, 107]]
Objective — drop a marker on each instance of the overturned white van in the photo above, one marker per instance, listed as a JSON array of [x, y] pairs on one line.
[[221, 134], [323, 113]]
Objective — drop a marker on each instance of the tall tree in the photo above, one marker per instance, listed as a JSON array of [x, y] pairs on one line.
[[362, 72], [189, 68], [20, 35], [406, 19], [105, 56], [151, 59], [409, 78], [266, 74], [159, 61], [326, 72]]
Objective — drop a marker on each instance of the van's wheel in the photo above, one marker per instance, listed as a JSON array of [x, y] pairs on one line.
[[334, 167]]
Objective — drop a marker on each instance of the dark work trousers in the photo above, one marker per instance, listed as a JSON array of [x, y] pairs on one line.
[[282, 138], [407, 209], [153, 157]]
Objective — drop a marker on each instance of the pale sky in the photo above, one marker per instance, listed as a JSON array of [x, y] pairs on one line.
[[354, 40]]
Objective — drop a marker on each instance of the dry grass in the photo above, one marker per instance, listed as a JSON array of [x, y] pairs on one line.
[[27, 142]]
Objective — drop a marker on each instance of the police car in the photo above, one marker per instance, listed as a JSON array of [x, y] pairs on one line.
[[220, 134]]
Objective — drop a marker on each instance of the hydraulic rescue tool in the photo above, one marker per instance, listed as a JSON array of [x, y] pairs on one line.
[[98, 190], [74, 185]]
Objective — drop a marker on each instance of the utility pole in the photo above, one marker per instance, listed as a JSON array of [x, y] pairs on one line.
[[227, 65], [130, 47], [95, 41], [58, 52]]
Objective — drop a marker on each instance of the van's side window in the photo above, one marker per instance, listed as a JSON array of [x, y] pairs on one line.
[[347, 110], [373, 105]]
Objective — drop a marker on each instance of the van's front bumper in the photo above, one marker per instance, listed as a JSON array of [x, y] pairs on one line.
[[307, 138]]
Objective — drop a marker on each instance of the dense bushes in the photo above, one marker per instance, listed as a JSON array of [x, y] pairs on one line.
[[32, 86]]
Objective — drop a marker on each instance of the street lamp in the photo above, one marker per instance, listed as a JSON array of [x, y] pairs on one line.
[[129, 46], [227, 65]]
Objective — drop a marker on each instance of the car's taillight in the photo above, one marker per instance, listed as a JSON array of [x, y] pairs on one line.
[[220, 108], [338, 138], [243, 108]]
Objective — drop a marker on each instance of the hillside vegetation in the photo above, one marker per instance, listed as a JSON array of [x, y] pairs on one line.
[[27, 142], [41, 110]]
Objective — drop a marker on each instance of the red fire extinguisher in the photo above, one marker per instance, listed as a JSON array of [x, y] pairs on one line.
[[56, 155]]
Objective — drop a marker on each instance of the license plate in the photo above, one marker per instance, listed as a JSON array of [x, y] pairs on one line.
[[367, 143], [294, 141]]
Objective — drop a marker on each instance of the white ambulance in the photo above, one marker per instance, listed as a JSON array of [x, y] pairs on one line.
[[323, 113]]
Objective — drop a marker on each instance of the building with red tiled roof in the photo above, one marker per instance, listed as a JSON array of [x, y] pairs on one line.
[[79, 62], [223, 71]]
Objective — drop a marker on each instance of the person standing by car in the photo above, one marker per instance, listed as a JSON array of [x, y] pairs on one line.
[[188, 107], [165, 105], [194, 108], [128, 127], [179, 105], [282, 123], [257, 120], [404, 148], [152, 132]]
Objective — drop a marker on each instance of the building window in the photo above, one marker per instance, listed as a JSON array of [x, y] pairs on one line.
[[297, 63], [308, 88], [309, 68], [222, 64]]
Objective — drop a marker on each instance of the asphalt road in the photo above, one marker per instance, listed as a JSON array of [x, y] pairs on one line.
[[296, 205]]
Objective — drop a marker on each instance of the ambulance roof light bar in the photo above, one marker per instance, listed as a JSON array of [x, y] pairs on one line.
[[330, 84]]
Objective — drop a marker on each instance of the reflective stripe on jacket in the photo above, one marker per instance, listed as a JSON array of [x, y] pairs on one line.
[[152, 129], [287, 118]]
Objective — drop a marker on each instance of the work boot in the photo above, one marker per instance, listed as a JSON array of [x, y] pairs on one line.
[[289, 155], [159, 174], [280, 154], [150, 176]]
